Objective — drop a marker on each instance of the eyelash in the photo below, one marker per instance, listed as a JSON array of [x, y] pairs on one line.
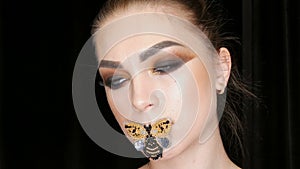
[[161, 68], [115, 82], [166, 66]]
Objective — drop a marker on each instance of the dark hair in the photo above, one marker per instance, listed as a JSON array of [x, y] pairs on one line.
[[209, 17]]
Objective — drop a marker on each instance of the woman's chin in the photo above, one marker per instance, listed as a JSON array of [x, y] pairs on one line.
[[167, 155]]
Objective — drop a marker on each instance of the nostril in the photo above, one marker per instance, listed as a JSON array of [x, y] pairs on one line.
[[142, 106], [149, 106]]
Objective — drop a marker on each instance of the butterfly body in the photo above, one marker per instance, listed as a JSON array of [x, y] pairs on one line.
[[152, 148], [150, 139]]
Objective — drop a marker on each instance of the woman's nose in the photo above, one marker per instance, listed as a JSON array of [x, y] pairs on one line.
[[141, 89]]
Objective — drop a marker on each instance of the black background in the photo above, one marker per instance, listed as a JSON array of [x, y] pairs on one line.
[[40, 41]]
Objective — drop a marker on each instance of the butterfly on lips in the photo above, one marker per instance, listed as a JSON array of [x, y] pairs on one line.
[[150, 139]]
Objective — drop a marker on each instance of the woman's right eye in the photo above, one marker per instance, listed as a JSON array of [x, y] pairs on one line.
[[115, 82]]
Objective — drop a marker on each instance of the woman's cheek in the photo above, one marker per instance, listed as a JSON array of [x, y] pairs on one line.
[[120, 119], [173, 103]]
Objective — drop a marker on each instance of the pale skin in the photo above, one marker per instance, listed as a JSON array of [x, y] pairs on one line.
[[189, 154]]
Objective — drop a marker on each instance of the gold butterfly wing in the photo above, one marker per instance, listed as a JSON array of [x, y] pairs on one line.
[[161, 128], [135, 131]]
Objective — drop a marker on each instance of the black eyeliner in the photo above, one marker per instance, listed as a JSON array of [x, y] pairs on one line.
[[168, 66], [115, 81]]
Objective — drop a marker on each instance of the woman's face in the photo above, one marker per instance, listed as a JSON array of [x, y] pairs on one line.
[[148, 78]]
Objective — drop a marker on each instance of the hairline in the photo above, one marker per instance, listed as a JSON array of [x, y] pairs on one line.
[[135, 8]]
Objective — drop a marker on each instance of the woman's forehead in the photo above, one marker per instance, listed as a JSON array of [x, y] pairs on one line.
[[130, 36]]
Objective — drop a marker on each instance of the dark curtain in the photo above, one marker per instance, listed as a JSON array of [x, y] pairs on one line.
[[271, 43], [39, 44]]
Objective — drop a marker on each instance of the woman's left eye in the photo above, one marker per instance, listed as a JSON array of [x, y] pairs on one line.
[[167, 66]]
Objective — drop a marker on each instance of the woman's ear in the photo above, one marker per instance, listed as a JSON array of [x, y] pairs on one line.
[[223, 69]]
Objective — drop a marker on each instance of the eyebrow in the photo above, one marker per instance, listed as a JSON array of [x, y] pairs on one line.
[[143, 56], [110, 64], [156, 48]]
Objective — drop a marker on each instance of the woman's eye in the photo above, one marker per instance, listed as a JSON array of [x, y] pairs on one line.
[[115, 82], [167, 66]]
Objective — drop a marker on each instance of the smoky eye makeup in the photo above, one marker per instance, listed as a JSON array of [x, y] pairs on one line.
[[116, 81], [167, 66], [113, 78], [160, 64], [171, 61]]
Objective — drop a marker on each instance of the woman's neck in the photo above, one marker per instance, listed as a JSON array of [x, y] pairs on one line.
[[210, 155]]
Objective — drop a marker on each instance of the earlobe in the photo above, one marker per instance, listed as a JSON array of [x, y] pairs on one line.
[[223, 69]]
